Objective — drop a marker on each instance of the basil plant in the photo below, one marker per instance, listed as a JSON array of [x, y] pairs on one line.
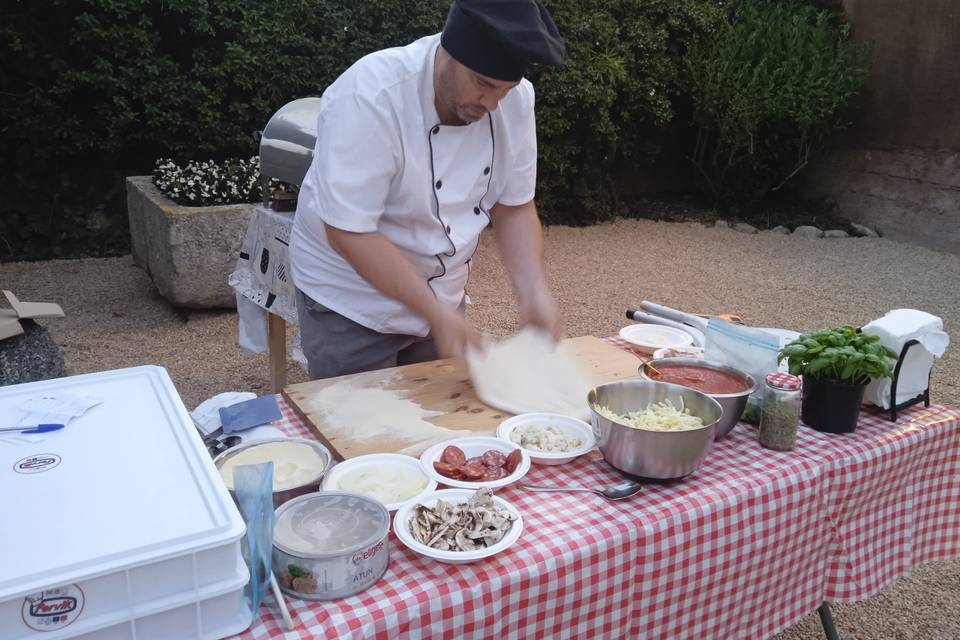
[[839, 355]]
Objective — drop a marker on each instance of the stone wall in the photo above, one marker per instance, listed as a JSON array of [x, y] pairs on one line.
[[188, 251], [896, 169]]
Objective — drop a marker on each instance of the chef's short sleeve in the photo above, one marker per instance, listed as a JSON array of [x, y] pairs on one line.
[[521, 184], [355, 159]]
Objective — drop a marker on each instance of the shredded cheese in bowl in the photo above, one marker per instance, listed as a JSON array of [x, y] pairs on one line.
[[657, 416]]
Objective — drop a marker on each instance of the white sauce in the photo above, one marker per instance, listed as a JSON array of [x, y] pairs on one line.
[[294, 463], [385, 483], [547, 438]]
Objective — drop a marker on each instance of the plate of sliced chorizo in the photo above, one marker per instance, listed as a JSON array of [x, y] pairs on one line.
[[475, 462]]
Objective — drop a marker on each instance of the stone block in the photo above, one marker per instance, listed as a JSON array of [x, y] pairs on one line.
[[188, 251], [33, 355], [806, 231], [864, 231]]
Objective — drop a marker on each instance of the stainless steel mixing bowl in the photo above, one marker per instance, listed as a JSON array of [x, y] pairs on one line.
[[662, 455], [281, 496], [732, 403]]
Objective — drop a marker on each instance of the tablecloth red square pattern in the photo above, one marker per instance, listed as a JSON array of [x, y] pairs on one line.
[[746, 546]]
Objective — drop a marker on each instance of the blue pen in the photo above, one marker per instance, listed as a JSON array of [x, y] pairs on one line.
[[40, 428]]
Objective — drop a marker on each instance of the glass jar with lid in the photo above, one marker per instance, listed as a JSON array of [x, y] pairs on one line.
[[780, 414]]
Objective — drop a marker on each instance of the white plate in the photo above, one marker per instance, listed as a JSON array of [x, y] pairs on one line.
[[474, 446], [678, 352], [650, 337], [456, 496], [332, 479], [569, 426]]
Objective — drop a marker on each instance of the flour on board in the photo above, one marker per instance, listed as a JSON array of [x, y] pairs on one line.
[[367, 413]]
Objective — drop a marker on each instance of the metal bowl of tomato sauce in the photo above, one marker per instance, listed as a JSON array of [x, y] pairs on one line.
[[727, 385]]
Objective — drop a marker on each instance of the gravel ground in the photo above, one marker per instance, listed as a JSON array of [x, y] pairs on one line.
[[115, 318]]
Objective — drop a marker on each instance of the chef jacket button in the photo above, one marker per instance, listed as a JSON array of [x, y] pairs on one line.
[[476, 210], [486, 171], [448, 229], [435, 130], [439, 183]]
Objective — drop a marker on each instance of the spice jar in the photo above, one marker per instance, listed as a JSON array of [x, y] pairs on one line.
[[780, 414]]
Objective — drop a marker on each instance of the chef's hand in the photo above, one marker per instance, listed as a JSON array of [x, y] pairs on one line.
[[538, 309], [452, 334]]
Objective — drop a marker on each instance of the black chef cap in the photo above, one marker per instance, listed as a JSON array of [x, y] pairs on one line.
[[500, 38]]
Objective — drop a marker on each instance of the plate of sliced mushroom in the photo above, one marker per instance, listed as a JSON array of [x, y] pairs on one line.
[[458, 526]]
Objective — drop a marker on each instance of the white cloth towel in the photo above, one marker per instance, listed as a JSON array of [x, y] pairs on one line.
[[895, 329]]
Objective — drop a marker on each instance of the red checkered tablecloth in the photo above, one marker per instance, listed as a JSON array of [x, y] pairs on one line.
[[745, 547]]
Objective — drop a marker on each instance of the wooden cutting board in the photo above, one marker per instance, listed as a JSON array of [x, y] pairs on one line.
[[443, 386]]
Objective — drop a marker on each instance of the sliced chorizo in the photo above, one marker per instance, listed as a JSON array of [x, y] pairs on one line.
[[475, 460], [447, 470], [513, 461], [472, 471], [494, 459], [454, 455], [492, 474]]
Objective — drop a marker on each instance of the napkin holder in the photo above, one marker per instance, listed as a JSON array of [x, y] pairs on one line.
[[923, 396]]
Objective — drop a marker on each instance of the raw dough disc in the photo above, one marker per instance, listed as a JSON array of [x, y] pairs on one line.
[[528, 373]]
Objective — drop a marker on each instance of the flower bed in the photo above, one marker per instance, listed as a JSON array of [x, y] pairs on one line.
[[209, 183]]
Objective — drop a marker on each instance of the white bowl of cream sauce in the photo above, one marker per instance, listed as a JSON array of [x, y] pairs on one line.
[[391, 479]]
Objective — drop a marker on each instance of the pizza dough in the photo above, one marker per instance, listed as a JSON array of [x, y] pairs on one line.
[[528, 373]]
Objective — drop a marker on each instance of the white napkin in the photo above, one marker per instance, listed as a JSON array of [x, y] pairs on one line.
[[61, 408], [895, 329]]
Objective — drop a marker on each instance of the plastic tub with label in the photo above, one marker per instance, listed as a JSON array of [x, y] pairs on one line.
[[121, 526]]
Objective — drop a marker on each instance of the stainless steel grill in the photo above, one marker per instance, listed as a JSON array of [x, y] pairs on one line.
[[287, 142]]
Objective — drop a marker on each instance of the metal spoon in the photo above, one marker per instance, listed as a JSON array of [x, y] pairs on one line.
[[613, 492], [217, 446]]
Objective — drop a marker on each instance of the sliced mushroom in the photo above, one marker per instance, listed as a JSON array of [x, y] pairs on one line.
[[461, 527], [463, 542]]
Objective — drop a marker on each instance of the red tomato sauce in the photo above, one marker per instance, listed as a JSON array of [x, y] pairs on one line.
[[699, 378]]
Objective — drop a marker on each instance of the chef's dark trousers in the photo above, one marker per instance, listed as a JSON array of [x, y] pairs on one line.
[[337, 346]]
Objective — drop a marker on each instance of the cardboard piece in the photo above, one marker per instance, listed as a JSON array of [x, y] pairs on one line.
[[10, 318]]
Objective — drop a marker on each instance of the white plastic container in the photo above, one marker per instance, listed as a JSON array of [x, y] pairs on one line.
[[122, 527], [330, 545]]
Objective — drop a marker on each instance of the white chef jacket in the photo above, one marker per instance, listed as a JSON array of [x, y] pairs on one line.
[[383, 162]]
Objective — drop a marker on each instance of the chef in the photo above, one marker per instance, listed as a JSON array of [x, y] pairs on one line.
[[419, 148]]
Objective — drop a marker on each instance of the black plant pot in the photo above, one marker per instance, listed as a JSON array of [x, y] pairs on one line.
[[832, 407]]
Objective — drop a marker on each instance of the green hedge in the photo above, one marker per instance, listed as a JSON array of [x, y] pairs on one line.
[[94, 90], [769, 89]]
